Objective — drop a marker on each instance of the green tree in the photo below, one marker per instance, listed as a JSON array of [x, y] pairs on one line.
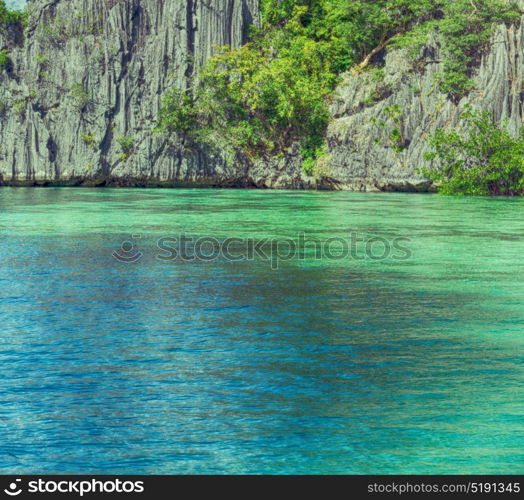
[[10, 17], [482, 158]]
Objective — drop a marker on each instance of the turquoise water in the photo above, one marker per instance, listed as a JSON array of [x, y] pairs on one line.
[[326, 365]]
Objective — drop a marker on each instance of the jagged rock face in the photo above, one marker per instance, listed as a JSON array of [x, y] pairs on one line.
[[81, 100], [364, 157], [83, 95]]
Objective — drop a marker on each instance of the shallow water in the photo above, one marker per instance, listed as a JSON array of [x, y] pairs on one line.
[[351, 365]]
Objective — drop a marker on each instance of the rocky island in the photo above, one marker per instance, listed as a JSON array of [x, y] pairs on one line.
[[83, 83]]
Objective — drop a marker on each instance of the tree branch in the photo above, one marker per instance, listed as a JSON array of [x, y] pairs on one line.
[[379, 48]]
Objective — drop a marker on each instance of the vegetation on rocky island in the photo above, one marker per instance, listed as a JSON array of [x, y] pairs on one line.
[[5, 60], [262, 98], [480, 158], [270, 97], [9, 17]]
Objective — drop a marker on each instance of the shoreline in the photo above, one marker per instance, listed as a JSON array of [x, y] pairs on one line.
[[319, 185]]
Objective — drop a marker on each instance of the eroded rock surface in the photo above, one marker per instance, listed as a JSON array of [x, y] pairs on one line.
[[83, 95]]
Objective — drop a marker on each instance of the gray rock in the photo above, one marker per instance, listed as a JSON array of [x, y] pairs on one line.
[[92, 72]]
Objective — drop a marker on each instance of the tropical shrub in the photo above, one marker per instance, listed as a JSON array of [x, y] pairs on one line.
[[482, 158]]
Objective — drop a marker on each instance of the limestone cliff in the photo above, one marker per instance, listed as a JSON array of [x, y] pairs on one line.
[[82, 95], [80, 99]]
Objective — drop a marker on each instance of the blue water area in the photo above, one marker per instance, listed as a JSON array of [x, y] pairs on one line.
[[313, 364]]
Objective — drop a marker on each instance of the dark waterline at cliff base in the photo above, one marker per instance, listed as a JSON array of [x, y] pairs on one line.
[[321, 366], [357, 185]]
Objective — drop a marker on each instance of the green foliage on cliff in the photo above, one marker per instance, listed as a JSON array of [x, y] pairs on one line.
[[252, 102], [481, 159], [463, 27], [262, 98], [5, 60], [10, 17], [80, 97], [127, 145], [89, 140]]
